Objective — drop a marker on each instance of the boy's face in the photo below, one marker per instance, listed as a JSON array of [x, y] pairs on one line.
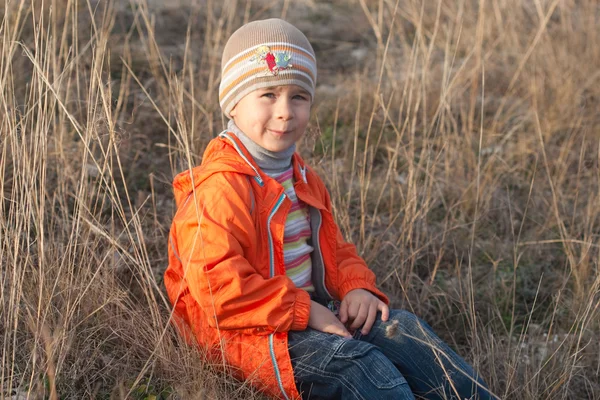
[[274, 118]]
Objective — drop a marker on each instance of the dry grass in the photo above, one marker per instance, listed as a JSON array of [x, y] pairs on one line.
[[459, 139]]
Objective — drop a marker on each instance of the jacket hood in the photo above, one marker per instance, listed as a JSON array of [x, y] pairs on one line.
[[223, 154]]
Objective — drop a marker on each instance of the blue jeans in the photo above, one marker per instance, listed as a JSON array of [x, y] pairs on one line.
[[398, 359]]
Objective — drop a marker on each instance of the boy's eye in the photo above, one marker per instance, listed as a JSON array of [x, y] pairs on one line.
[[300, 97], [269, 95]]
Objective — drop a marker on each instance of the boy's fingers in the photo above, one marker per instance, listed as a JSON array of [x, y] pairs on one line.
[[353, 310], [385, 310], [338, 329], [362, 314], [345, 333], [370, 319], [344, 312]]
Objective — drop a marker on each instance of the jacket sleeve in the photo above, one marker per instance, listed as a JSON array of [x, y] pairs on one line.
[[215, 225], [353, 272]]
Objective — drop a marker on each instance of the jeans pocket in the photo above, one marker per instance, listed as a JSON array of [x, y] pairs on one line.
[[367, 361]]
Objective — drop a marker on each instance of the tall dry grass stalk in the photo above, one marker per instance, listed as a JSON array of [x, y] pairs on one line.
[[459, 140]]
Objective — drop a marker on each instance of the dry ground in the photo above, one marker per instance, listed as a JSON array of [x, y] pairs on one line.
[[460, 141]]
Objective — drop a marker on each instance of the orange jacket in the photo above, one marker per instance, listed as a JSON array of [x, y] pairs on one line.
[[226, 276]]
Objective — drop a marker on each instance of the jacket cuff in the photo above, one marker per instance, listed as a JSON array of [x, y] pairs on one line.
[[361, 284], [301, 311]]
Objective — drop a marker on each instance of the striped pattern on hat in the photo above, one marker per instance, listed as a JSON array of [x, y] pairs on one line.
[[265, 53]]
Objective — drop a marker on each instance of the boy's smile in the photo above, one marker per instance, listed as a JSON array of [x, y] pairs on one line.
[[275, 117]]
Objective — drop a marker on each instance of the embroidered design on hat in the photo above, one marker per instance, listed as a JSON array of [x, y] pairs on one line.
[[275, 61]]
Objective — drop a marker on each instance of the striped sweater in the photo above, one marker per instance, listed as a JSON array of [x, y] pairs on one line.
[[296, 250]]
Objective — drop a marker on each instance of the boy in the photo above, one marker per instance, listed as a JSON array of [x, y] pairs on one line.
[[257, 264]]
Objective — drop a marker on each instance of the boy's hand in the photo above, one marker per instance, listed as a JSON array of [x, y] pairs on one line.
[[359, 308], [324, 320]]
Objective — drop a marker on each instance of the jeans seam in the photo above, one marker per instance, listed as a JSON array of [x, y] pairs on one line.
[[332, 375], [357, 356], [327, 360]]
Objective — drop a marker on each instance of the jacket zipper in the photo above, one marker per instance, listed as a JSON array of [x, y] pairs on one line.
[[318, 263], [272, 274], [303, 172], [271, 247], [319, 255]]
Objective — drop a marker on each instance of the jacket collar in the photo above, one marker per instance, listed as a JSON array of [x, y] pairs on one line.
[[259, 175], [227, 154], [243, 153]]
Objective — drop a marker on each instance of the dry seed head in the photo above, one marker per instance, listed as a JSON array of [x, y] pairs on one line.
[[392, 329]]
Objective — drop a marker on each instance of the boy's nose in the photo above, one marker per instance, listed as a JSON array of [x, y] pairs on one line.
[[283, 109]]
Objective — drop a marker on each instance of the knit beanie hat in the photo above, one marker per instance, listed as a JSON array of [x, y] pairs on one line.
[[271, 52]]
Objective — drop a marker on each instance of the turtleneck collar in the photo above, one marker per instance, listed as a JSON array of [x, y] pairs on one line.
[[270, 162]]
